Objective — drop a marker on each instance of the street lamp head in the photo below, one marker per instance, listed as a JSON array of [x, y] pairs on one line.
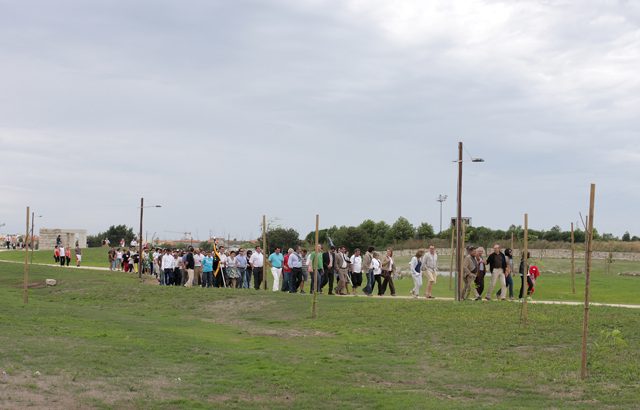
[[477, 160], [158, 206]]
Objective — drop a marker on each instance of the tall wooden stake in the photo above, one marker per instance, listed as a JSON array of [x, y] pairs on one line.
[[459, 252], [264, 251], [140, 239], [316, 277], [451, 262], [525, 282], [512, 243], [25, 288], [573, 260], [33, 242], [587, 283]]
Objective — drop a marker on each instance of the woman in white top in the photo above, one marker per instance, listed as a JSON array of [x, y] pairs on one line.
[[356, 270], [377, 273], [232, 271], [416, 274]]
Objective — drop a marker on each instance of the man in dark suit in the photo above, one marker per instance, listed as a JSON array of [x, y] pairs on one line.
[[328, 262]]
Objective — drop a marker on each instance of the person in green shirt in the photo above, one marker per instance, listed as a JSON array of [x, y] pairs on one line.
[[315, 267]]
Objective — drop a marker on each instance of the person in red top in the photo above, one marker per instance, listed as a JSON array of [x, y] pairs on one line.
[[67, 255], [286, 272], [56, 254]]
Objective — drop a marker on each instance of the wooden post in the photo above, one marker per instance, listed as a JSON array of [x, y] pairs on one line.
[[459, 252], [512, 243], [264, 250], [525, 282], [316, 277], [451, 262], [573, 260], [587, 283], [140, 239], [25, 288], [33, 242]]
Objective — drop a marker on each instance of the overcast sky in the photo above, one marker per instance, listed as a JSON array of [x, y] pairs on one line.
[[222, 111]]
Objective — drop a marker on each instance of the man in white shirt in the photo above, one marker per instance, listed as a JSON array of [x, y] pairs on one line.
[[257, 266], [295, 263], [168, 263], [356, 270], [430, 268], [197, 267]]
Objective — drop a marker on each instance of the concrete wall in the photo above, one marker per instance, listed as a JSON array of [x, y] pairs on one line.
[[68, 236]]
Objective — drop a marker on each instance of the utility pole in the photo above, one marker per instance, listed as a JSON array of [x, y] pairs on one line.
[[459, 227], [441, 199]]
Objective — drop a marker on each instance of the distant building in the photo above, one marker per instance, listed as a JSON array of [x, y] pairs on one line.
[[68, 237]]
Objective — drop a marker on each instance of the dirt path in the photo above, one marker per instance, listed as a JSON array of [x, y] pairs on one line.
[[541, 302]]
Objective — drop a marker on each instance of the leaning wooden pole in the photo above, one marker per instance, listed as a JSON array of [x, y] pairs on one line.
[[525, 282], [316, 276], [573, 260], [451, 262], [25, 286], [265, 252], [587, 283]]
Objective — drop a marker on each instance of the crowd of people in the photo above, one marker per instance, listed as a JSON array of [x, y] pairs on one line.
[[335, 270], [501, 268]]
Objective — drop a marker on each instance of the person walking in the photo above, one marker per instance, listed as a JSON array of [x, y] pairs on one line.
[[67, 255], [207, 270], [78, 256], [241, 265], [305, 269], [430, 269], [342, 267], [470, 269], [481, 272], [295, 263], [249, 271], [286, 273], [167, 266], [356, 271], [497, 263], [316, 264], [190, 264], [524, 271], [368, 269], [56, 254], [197, 267], [388, 267], [232, 270], [328, 267], [415, 266], [257, 266], [276, 260], [377, 273], [508, 254]]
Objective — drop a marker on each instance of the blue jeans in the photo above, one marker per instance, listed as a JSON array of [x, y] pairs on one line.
[[168, 275], [246, 278], [370, 282], [207, 279], [316, 275], [286, 283]]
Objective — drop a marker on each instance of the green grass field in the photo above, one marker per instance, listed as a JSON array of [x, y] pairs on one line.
[[104, 340], [606, 288]]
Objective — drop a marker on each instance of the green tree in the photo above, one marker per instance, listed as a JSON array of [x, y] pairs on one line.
[[381, 236], [425, 231], [117, 232], [283, 238], [369, 227], [402, 230], [626, 237]]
